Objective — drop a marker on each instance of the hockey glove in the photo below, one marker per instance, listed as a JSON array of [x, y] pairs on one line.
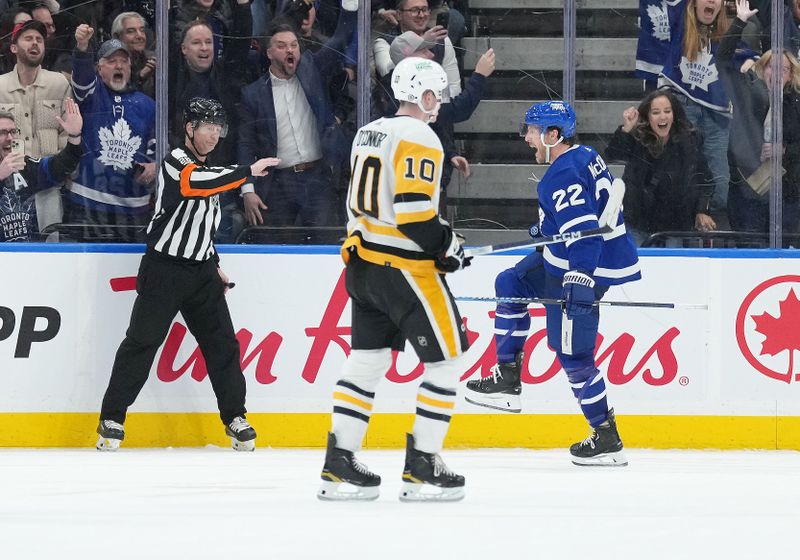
[[577, 293], [453, 258]]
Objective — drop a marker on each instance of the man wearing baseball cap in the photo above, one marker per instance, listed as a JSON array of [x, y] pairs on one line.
[[460, 107], [35, 97], [110, 195], [110, 47], [456, 109]]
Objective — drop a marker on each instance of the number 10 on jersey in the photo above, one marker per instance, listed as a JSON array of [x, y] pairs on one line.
[[364, 199]]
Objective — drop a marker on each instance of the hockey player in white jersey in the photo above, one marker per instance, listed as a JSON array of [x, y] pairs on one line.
[[572, 196], [397, 253]]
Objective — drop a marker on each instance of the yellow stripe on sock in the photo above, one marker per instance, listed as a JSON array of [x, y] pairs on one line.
[[352, 400], [434, 402]]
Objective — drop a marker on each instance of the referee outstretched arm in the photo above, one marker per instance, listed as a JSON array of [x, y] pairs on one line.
[[196, 180], [187, 210]]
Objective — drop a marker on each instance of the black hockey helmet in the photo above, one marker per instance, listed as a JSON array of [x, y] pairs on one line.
[[203, 110]]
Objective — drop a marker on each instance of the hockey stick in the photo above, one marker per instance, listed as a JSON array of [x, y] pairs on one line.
[[538, 241], [607, 221], [548, 301]]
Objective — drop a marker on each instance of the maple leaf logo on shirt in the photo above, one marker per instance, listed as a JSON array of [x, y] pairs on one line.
[[782, 332], [16, 215], [660, 20], [117, 146], [700, 73]]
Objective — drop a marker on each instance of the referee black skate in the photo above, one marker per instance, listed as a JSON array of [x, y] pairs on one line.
[[180, 273]]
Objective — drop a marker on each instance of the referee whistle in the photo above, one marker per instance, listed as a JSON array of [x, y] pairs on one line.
[[231, 285]]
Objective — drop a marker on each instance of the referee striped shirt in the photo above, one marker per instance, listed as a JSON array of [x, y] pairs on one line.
[[187, 212]]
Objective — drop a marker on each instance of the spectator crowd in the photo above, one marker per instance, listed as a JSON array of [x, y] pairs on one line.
[[696, 150], [282, 69]]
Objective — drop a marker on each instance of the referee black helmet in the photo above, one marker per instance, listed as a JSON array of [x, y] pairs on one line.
[[202, 110]]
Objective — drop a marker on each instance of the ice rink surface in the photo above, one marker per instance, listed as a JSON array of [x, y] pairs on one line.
[[217, 504]]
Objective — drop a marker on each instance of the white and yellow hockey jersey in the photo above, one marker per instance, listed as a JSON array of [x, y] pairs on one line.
[[393, 198]]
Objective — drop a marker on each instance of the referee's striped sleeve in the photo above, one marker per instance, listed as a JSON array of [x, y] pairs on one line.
[[202, 181]]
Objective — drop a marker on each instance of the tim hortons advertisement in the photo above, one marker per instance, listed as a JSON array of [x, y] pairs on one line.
[[727, 348]]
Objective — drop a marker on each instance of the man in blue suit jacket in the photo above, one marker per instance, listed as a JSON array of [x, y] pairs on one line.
[[287, 114]]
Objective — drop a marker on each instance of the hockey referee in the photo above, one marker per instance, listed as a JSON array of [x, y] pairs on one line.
[[180, 272]]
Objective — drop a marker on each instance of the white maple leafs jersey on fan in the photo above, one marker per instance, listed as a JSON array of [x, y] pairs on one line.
[[396, 165]]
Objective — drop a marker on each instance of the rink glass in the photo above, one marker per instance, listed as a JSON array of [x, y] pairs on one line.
[[576, 50]]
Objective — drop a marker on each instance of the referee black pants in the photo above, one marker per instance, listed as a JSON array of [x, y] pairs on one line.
[[166, 286]]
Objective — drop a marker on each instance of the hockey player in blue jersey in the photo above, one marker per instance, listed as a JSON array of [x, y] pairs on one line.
[[572, 196]]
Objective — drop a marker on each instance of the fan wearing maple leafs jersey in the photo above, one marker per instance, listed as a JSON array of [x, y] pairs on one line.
[[652, 48], [112, 187], [22, 176], [696, 29]]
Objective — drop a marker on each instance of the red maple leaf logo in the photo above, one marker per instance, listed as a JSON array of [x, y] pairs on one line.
[[782, 332]]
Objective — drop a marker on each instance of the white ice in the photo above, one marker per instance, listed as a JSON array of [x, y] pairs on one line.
[[218, 504]]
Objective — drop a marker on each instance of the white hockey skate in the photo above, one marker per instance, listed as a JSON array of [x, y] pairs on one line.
[[111, 435], [242, 434]]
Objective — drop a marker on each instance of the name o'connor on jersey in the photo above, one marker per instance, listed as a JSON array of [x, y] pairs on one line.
[[372, 138], [393, 198], [572, 194]]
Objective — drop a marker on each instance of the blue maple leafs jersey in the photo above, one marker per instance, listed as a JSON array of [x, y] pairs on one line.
[[118, 133], [572, 195]]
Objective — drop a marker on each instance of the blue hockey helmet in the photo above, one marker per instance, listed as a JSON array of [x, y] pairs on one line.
[[548, 114]]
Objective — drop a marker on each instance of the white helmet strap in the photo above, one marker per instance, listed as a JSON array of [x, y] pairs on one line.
[[429, 114], [548, 147]]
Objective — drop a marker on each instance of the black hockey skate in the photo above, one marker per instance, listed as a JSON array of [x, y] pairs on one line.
[[603, 447], [344, 477], [501, 390], [426, 478], [111, 435], [242, 434]]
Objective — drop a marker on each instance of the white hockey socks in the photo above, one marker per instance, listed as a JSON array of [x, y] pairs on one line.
[[352, 408], [434, 409], [354, 394]]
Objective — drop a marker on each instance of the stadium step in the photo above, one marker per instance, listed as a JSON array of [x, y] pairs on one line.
[[535, 53]]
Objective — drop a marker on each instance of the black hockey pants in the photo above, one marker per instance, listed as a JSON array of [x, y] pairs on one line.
[[166, 286]]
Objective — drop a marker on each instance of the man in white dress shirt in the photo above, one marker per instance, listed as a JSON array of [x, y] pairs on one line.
[[288, 114]]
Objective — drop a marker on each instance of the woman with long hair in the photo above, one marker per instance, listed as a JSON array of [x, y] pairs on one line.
[[668, 183], [750, 152], [696, 29]]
